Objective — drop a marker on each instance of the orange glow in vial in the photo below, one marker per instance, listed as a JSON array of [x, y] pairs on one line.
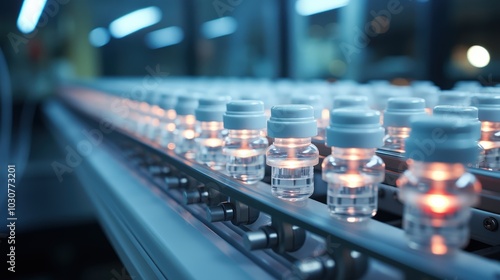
[[211, 132], [488, 106], [185, 126], [165, 135], [397, 118], [245, 145], [292, 156], [353, 171], [437, 191]]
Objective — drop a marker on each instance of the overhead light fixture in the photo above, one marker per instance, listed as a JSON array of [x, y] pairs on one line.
[[30, 13], [311, 7], [135, 21], [218, 27], [164, 37], [478, 56], [99, 37]]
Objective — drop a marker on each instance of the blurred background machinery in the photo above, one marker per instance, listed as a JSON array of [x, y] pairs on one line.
[[66, 229]]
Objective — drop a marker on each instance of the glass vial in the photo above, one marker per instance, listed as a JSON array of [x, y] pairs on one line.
[[292, 156], [141, 113], [397, 117], [154, 113], [185, 126], [467, 115], [211, 132], [353, 171], [245, 146], [437, 191], [489, 115], [166, 134]]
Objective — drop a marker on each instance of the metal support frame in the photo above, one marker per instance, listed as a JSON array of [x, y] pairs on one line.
[[144, 228]]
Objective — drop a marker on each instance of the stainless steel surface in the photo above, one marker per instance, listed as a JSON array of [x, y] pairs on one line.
[[153, 234]]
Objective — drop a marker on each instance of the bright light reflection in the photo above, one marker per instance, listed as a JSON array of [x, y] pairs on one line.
[[478, 56], [438, 245], [171, 127], [219, 27], [311, 7], [29, 15], [246, 153], [213, 142], [99, 37], [190, 119], [438, 203], [188, 134], [135, 21], [164, 37], [171, 114]]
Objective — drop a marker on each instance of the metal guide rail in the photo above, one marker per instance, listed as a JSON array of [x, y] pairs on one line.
[[299, 240]]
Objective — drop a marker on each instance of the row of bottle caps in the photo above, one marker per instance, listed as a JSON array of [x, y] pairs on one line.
[[282, 91], [440, 146], [396, 104]]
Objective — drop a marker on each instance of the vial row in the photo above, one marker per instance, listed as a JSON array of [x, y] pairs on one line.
[[229, 137], [150, 105]]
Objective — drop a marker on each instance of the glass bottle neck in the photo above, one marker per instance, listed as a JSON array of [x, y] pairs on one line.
[[245, 133], [292, 142], [400, 132], [212, 126], [186, 119], [436, 171], [353, 153], [490, 126], [490, 135]]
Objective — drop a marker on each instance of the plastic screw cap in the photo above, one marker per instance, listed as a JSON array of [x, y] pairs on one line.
[[467, 85], [211, 109], [245, 114], [435, 139], [488, 106], [428, 93], [312, 100], [454, 98], [379, 101], [354, 128], [186, 105], [490, 90], [401, 109], [292, 121], [343, 101], [465, 114], [167, 100]]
